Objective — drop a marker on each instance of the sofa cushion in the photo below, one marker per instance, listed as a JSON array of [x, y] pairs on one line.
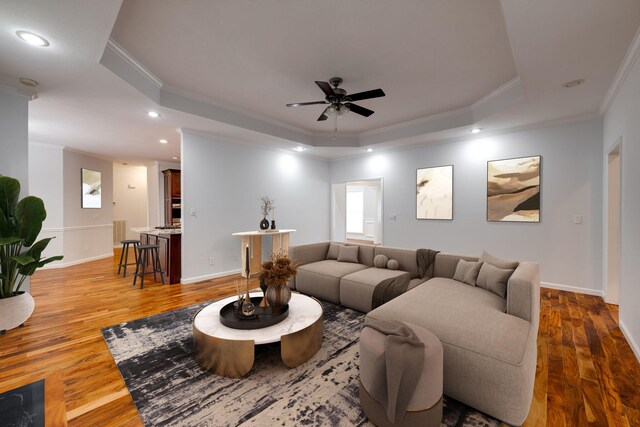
[[348, 254], [467, 272], [356, 289], [406, 258], [322, 279], [332, 268], [498, 262], [333, 250], [365, 253], [469, 318], [446, 264], [393, 264], [380, 261], [494, 279]]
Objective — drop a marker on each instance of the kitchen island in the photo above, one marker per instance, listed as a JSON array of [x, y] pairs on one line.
[[170, 251]]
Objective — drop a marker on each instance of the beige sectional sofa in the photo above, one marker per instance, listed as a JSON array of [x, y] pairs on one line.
[[489, 341]]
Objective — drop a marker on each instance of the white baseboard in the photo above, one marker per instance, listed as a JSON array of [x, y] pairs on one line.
[[632, 343], [208, 276], [559, 287], [63, 264]]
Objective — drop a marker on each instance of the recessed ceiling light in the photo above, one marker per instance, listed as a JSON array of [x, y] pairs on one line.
[[164, 141], [28, 82], [475, 130], [573, 83], [176, 158], [300, 149], [153, 114], [32, 39], [369, 150]]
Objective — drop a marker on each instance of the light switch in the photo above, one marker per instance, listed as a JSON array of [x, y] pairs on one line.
[[392, 216], [192, 211]]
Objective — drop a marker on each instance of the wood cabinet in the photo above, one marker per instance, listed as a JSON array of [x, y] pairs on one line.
[[172, 197], [170, 253]]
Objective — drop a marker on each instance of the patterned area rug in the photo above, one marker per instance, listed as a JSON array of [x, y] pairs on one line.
[[154, 356]]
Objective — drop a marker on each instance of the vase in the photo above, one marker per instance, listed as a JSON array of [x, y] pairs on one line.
[[263, 287], [15, 310], [277, 296], [264, 224], [273, 224]]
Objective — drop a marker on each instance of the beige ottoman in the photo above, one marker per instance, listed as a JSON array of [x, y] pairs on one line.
[[425, 407]]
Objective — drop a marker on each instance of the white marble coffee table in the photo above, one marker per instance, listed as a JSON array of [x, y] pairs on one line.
[[230, 352]]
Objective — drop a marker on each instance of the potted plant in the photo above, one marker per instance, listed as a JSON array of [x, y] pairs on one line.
[[20, 254], [275, 274]]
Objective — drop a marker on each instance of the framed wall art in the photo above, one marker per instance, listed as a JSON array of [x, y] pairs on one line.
[[513, 189], [91, 189], [434, 193]]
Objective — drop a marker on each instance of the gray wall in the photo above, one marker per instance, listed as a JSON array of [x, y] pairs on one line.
[[623, 120], [222, 181], [568, 254], [88, 233], [14, 143]]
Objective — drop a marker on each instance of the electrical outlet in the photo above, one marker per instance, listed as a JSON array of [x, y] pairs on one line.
[[192, 211], [211, 260], [577, 219]]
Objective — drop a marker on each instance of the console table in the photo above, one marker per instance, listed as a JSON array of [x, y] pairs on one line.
[[253, 239]]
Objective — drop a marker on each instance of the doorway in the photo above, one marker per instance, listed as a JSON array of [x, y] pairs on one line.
[[613, 223], [357, 212]]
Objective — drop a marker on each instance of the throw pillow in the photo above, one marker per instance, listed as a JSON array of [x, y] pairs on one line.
[[393, 264], [333, 250], [380, 261], [494, 279], [500, 263], [348, 254], [467, 272]]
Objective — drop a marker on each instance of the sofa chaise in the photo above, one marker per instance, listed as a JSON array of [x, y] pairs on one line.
[[488, 334]]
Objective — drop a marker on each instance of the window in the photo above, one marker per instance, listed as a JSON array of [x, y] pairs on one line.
[[355, 210]]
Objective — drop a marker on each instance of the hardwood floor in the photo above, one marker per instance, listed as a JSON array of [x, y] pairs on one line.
[[587, 373]]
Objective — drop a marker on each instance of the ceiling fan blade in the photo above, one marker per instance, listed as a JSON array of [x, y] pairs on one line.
[[375, 93], [300, 104], [326, 88], [323, 116], [359, 110]]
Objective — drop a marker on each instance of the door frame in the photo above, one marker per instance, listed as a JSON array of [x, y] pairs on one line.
[[380, 206], [613, 264]]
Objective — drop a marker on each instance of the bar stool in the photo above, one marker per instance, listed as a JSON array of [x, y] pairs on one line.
[[143, 251], [125, 254]]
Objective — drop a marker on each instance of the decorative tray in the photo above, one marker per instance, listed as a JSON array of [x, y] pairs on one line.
[[263, 317]]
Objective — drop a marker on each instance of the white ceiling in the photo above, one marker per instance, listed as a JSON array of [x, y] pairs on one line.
[[434, 59]]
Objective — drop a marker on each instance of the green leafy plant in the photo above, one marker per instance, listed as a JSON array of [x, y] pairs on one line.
[[20, 225]]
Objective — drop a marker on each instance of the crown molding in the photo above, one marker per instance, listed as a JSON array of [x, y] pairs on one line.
[[123, 64], [511, 84], [133, 62], [621, 76], [16, 91]]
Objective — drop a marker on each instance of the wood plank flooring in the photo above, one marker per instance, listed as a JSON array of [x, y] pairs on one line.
[[586, 373]]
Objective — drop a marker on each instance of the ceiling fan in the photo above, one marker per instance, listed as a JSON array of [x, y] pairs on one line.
[[339, 103]]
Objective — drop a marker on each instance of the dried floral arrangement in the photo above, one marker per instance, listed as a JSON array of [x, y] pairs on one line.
[[267, 205], [278, 270]]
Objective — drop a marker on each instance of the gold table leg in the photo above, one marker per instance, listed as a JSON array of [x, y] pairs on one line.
[[298, 347], [229, 358]]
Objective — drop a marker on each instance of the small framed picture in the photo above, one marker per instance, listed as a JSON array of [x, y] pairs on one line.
[[91, 189], [434, 193], [513, 189]]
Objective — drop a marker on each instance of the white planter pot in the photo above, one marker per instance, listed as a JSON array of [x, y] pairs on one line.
[[15, 311]]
